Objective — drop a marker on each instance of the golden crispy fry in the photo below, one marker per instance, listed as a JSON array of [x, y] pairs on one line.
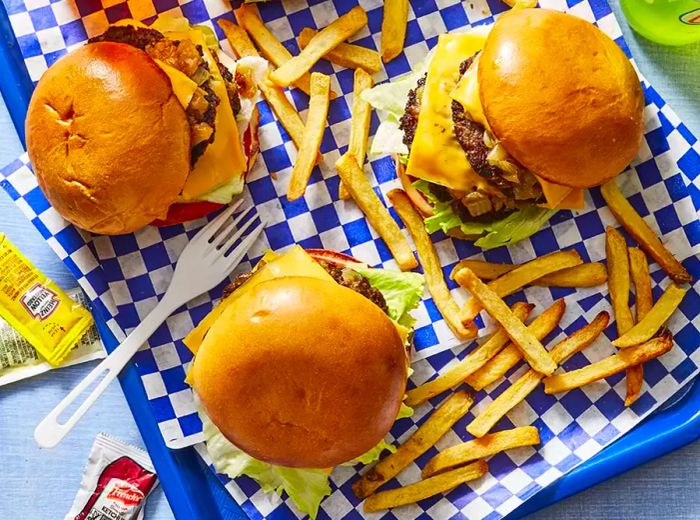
[[313, 133], [325, 40], [284, 110], [642, 233], [507, 358], [239, 40], [639, 271], [434, 278], [427, 434], [521, 276], [521, 4], [635, 381], [533, 351], [287, 115], [359, 187], [481, 448], [652, 322], [419, 201], [456, 374], [618, 279], [346, 54], [518, 391], [359, 129], [425, 488], [394, 28], [271, 48], [588, 274], [626, 358]]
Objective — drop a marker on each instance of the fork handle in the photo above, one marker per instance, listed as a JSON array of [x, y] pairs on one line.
[[49, 432]]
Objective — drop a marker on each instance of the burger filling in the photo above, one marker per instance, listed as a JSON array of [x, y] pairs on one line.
[[188, 58]]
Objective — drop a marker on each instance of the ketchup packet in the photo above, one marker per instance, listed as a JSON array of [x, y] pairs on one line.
[[116, 482]]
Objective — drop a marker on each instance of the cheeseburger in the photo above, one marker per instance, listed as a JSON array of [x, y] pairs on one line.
[[144, 125], [303, 367], [504, 125]]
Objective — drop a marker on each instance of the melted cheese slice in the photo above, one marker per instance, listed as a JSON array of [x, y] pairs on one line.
[[183, 87], [467, 94], [295, 262], [224, 159], [436, 155]]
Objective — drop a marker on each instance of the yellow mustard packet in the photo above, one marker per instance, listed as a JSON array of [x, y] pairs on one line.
[[37, 308]]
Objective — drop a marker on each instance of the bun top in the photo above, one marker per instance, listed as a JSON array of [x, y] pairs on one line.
[[107, 138], [302, 372], [561, 96]]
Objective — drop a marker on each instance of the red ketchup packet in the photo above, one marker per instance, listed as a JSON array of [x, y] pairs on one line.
[[116, 481]]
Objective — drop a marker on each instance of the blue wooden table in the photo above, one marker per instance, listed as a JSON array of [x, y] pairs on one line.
[[42, 483]]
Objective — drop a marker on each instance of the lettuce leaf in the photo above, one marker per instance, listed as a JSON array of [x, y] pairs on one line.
[[305, 487], [390, 100], [402, 291], [504, 231]]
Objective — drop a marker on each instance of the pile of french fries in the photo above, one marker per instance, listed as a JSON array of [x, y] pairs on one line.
[[641, 335]]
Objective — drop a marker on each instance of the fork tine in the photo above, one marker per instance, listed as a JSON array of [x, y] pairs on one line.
[[208, 231], [237, 254], [238, 234], [223, 235]]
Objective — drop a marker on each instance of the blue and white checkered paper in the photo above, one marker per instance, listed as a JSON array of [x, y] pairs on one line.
[[126, 275]]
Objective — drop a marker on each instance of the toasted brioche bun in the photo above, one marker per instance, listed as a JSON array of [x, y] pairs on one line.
[[301, 372], [561, 96], [108, 140]]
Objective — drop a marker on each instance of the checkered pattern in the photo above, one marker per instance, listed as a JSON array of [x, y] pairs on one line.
[[124, 276]]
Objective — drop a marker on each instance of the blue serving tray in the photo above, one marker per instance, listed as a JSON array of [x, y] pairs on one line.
[[195, 493]]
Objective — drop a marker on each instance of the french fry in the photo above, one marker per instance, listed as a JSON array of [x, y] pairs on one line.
[[428, 257], [346, 54], [325, 40], [394, 28], [618, 279], [427, 434], [270, 47], [476, 449], [425, 488], [588, 274], [609, 366], [359, 187], [533, 351], [521, 4], [359, 129], [642, 233], [507, 358], [521, 276], [313, 134], [639, 271], [238, 38], [285, 112], [518, 391], [457, 373], [652, 322]]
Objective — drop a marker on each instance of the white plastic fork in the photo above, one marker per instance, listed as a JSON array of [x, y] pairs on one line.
[[204, 263]]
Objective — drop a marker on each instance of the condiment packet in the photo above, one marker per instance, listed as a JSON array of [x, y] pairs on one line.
[[37, 308], [116, 482], [19, 360]]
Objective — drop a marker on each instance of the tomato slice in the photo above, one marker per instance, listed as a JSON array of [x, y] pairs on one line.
[[332, 257], [186, 211]]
